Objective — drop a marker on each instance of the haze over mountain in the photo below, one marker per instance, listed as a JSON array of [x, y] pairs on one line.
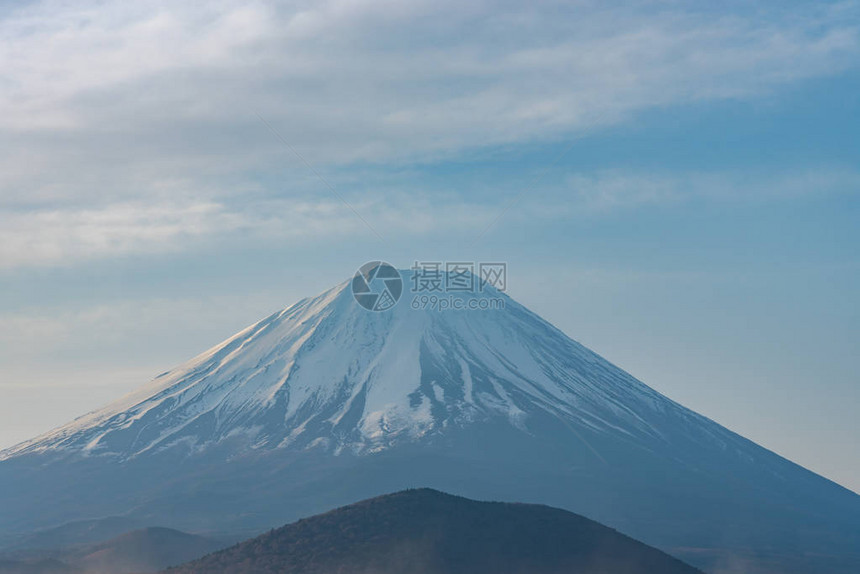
[[76, 533], [326, 403], [429, 532], [137, 551]]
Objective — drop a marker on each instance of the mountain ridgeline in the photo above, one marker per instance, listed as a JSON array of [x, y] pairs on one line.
[[427, 532], [133, 552], [326, 403]]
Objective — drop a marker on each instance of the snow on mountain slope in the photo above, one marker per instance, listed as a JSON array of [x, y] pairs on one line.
[[327, 373], [326, 403]]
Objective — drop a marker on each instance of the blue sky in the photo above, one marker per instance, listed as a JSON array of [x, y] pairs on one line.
[[684, 183]]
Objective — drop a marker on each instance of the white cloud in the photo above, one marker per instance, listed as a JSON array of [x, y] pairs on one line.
[[371, 80], [128, 332], [64, 237], [610, 190], [131, 127]]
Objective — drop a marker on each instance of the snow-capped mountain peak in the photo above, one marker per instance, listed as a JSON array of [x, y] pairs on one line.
[[328, 373], [328, 401]]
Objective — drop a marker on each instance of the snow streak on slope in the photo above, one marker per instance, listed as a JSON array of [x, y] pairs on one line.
[[326, 373]]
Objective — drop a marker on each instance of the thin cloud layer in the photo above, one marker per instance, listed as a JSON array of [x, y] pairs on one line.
[[104, 107], [51, 237]]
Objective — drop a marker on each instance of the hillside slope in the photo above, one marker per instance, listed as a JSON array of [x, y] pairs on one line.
[[428, 532], [325, 403]]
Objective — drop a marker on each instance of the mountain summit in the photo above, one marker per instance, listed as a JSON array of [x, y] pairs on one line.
[[328, 374], [429, 532], [327, 402]]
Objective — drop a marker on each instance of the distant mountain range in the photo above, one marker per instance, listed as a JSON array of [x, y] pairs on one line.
[[428, 532], [138, 551], [74, 534], [326, 403]]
